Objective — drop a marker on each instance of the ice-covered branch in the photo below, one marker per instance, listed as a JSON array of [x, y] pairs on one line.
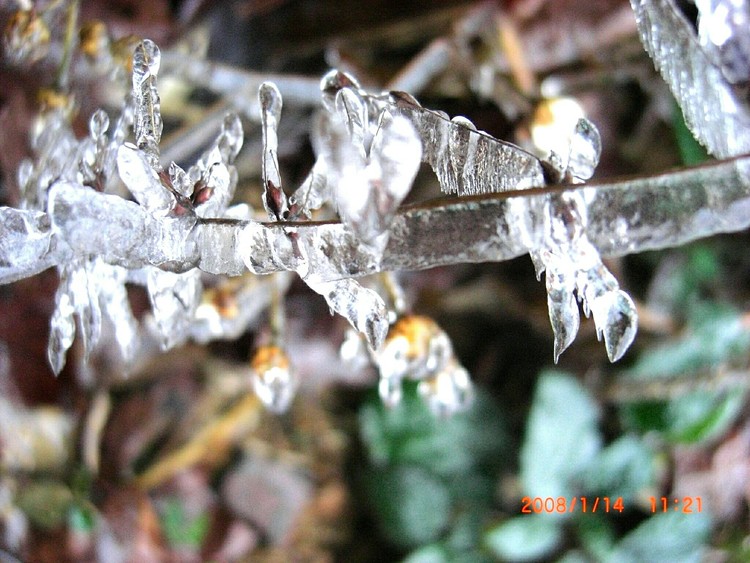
[[699, 75], [502, 202], [624, 217]]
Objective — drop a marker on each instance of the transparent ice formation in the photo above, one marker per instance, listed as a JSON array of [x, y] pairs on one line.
[[105, 212], [715, 113], [417, 348], [273, 379], [722, 31]]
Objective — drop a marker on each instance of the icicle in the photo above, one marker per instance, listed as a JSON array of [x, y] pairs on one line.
[[273, 380], [572, 262], [148, 123], [174, 299], [62, 326], [85, 298], [352, 109], [563, 307], [274, 199], [362, 307]]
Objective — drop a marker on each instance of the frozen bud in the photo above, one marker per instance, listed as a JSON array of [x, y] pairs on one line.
[[273, 381], [552, 125], [416, 347], [447, 392], [274, 198], [332, 82], [26, 37], [94, 39], [351, 107]]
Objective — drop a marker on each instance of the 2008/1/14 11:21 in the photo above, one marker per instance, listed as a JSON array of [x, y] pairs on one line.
[[687, 505]]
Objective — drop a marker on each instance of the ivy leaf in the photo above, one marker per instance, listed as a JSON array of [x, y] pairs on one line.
[[625, 468], [525, 538], [412, 506], [562, 438], [410, 434], [671, 536]]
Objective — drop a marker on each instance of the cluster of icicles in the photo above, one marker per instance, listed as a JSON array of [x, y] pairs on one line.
[[368, 150]]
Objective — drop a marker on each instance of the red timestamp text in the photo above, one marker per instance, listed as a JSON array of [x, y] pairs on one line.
[[550, 505], [686, 505]]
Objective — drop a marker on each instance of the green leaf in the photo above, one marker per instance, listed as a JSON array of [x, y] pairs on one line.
[[562, 438], [691, 151], [671, 536], [692, 418], [703, 415], [433, 553], [624, 469], [596, 535], [46, 503], [179, 529], [81, 518], [410, 434], [411, 506], [525, 538], [715, 336]]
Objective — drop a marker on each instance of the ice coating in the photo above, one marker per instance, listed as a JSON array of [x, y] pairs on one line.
[[362, 307], [73, 220], [448, 391], [62, 327], [142, 180], [467, 161], [174, 299], [273, 379], [274, 199], [148, 124], [706, 98]]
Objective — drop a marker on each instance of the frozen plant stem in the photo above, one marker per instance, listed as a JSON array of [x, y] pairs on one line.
[[368, 149]]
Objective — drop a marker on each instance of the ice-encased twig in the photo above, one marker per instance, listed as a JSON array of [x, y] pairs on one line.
[[274, 198], [625, 217], [712, 112]]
